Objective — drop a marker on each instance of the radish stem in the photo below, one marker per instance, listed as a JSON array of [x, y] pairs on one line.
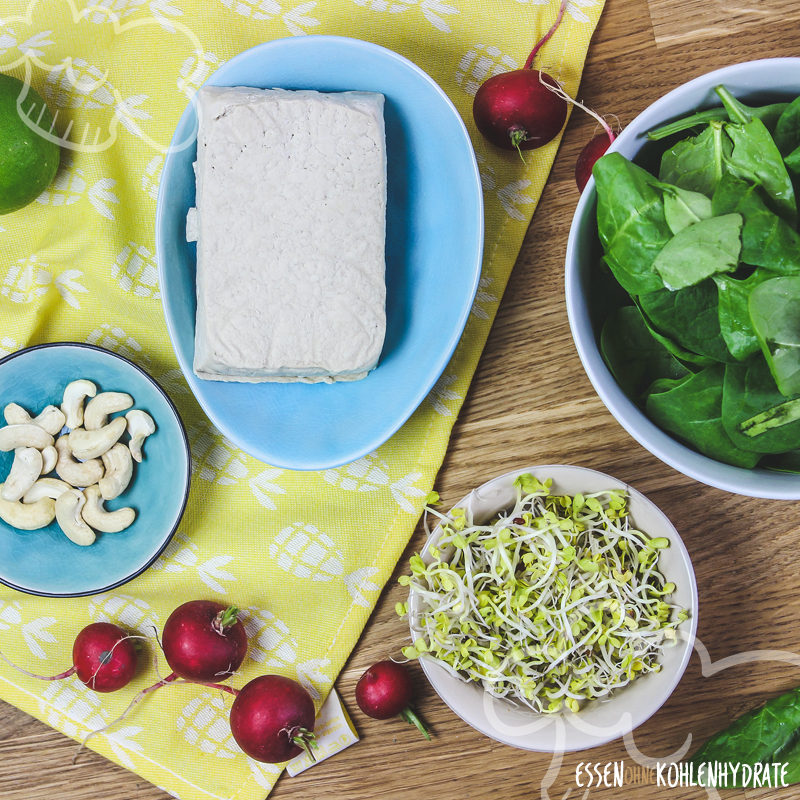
[[170, 680], [225, 619], [546, 37], [409, 715]]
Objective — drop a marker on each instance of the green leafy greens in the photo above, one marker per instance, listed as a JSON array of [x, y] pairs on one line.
[[709, 254]]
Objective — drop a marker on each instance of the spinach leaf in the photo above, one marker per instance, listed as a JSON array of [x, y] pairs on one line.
[[690, 317], [634, 357], [786, 462], [769, 115], [756, 158], [764, 735], [775, 313], [739, 112], [792, 161], [692, 411], [630, 221], [749, 393], [683, 208], [787, 130], [701, 250], [693, 361], [767, 240], [697, 163], [734, 315]]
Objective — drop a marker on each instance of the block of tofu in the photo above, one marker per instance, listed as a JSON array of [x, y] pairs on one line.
[[290, 223]]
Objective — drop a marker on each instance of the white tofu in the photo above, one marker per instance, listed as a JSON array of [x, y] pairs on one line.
[[291, 227]]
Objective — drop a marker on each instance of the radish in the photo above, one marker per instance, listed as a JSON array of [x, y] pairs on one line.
[[385, 690], [515, 109], [272, 719], [595, 148], [203, 641], [103, 657]]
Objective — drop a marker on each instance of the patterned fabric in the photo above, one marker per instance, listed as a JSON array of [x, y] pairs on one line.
[[304, 554]]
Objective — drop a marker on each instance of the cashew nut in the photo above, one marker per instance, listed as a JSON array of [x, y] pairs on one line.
[[16, 415], [28, 517], [119, 468], [45, 487], [140, 426], [68, 516], [106, 521], [50, 420], [97, 410], [90, 444], [72, 406], [49, 459], [74, 472], [27, 467], [27, 435]]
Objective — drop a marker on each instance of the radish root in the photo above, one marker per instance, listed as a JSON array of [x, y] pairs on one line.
[[559, 92], [70, 671], [546, 37]]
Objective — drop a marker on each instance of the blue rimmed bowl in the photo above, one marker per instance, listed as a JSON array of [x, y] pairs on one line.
[[434, 249], [45, 562]]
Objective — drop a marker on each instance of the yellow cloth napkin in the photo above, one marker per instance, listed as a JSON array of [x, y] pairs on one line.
[[305, 554]]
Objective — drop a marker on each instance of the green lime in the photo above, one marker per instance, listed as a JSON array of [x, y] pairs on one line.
[[28, 160]]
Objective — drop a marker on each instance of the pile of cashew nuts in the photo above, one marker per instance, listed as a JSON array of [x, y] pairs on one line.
[[90, 461]]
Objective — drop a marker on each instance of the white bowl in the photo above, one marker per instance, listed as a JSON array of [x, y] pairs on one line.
[[756, 82], [599, 721]]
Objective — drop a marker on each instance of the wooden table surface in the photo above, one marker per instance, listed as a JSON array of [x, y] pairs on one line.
[[531, 403]]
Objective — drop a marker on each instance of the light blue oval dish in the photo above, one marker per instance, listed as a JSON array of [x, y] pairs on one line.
[[45, 562], [434, 249]]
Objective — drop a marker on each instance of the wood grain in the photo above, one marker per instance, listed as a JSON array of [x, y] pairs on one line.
[[684, 21], [531, 403]]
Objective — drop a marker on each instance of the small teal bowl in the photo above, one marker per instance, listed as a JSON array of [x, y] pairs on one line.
[[45, 562], [434, 249]]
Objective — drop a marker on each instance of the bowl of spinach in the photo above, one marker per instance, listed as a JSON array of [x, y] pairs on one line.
[[683, 278]]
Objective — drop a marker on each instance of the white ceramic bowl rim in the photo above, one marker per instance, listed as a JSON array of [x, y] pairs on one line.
[[749, 77], [568, 732]]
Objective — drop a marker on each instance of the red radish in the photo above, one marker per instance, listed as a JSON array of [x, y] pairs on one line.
[[385, 690], [515, 109], [586, 160], [103, 657], [203, 641], [272, 719]]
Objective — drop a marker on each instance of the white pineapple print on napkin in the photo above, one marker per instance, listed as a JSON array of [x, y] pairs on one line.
[[70, 186], [214, 458], [112, 337], [28, 280], [305, 551], [181, 554], [479, 63], [135, 271]]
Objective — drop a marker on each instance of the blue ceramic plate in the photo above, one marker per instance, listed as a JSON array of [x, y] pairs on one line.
[[434, 247], [45, 562]]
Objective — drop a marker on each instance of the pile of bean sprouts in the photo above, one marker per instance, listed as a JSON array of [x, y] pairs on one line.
[[557, 602]]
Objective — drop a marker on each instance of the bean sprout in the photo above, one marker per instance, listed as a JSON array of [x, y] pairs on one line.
[[556, 602]]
